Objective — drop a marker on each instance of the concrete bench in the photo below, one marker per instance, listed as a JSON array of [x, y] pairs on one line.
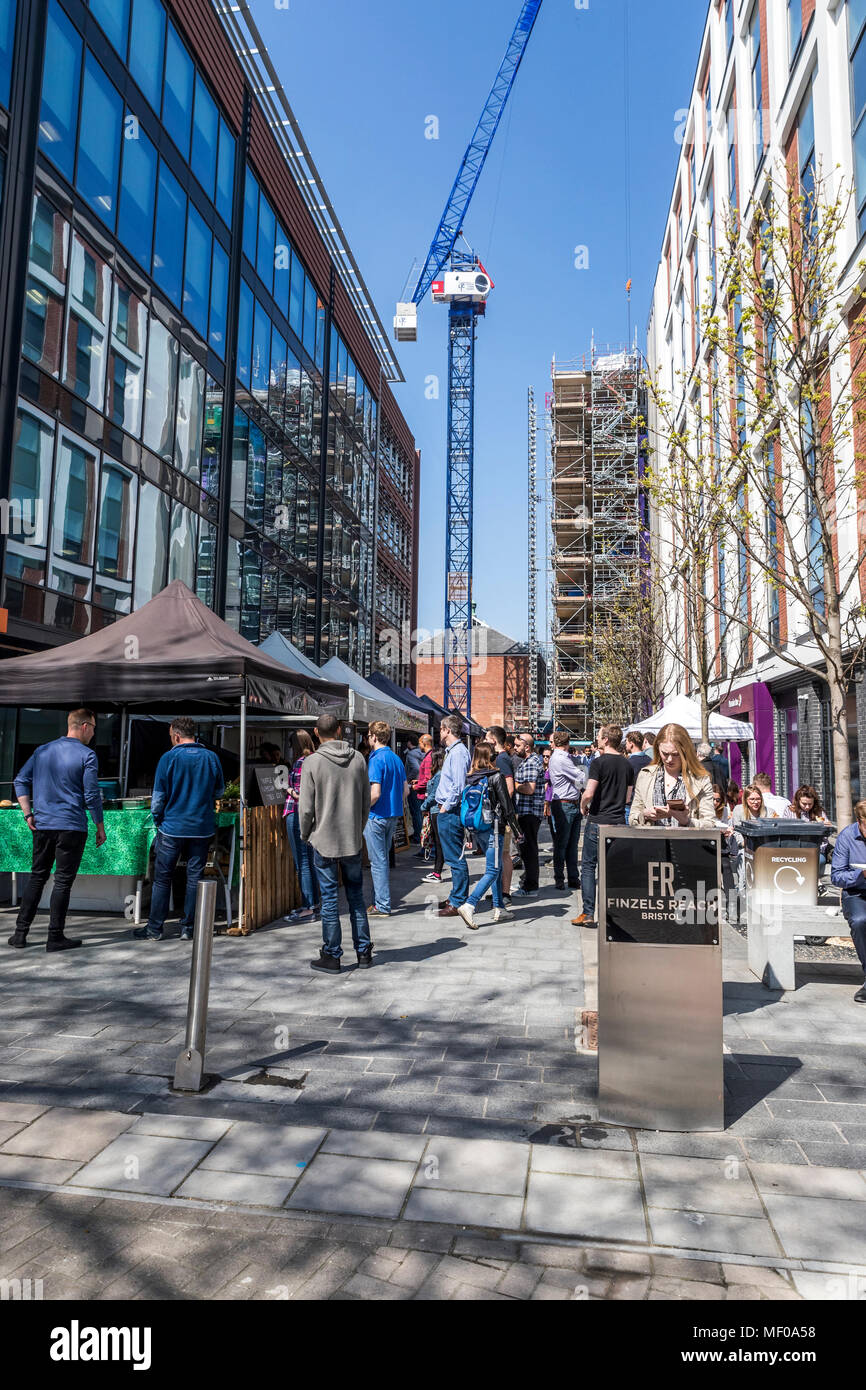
[[772, 930]]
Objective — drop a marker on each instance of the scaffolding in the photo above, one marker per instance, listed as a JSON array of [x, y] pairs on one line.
[[594, 425]]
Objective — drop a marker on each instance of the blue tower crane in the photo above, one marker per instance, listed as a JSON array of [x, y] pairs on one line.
[[457, 277]]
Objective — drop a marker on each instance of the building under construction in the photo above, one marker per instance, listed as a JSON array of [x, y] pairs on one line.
[[595, 422]]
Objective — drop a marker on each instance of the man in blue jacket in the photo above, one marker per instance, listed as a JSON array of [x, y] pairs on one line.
[[189, 778], [55, 789], [849, 874]]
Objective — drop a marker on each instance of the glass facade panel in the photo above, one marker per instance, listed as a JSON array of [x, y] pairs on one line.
[[282, 270], [310, 301], [177, 91], [225, 174], [267, 241], [205, 570], [261, 355], [126, 354], [7, 45], [31, 491], [169, 234], [256, 479], [137, 193], [279, 364], [160, 407], [113, 17], [190, 418], [251, 216], [99, 142], [245, 333], [73, 518], [151, 549], [212, 438], [182, 545], [293, 396], [147, 48], [115, 535], [296, 307], [240, 461], [61, 78], [205, 137], [219, 291], [196, 289], [86, 323]]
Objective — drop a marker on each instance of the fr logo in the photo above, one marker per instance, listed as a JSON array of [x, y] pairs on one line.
[[663, 875]]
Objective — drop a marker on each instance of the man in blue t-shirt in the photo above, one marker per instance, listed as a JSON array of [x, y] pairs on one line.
[[388, 788], [188, 780]]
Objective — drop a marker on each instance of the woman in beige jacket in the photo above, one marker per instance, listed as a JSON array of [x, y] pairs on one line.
[[675, 790]]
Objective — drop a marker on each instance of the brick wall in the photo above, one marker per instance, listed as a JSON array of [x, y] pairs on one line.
[[503, 679]]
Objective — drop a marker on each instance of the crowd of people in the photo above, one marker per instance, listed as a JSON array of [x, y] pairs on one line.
[[490, 801]]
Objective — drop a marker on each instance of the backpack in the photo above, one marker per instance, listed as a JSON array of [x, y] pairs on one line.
[[476, 812]]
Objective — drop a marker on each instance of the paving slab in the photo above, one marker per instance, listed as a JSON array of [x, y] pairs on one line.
[[602, 1208], [778, 1178], [359, 1186], [693, 1230], [251, 1188], [475, 1166], [143, 1163], [700, 1184], [68, 1133], [818, 1228], [484, 1209], [589, 1163], [370, 1144]]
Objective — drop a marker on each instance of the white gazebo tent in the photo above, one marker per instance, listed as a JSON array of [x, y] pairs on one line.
[[682, 710]]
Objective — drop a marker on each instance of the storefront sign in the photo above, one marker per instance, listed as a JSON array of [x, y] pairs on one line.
[[661, 890]]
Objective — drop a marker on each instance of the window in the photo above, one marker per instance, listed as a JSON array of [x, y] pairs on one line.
[[795, 26], [261, 354], [113, 16], [693, 174], [729, 24], [31, 484], [814, 534], [696, 292], [160, 407], [137, 192], [279, 365], [772, 542], [58, 115], [87, 321], [177, 91], [240, 451], [74, 508], [731, 119], [219, 290], [190, 418], [256, 465], [99, 142], [708, 110], [251, 217], [267, 239], [205, 137], [282, 270], [196, 288], [857, 51], [182, 545], [151, 551], [806, 147], [116, 529], [7, 46], [296, 304], [245, 334], [711, 233], [757, 83], [147, 48], [126, 353], [225, 189], [169, 234], [310, 301]]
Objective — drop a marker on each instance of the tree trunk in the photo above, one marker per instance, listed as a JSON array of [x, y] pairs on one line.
[[841, 754]]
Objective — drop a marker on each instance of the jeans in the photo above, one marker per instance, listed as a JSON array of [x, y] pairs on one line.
[[67, 848], [529, 826], [327, 871], [566, 828], [854, 908], [379, 835], [451, 835], [302, 853], [168, 851], [415, 812], [491, 844], [589, 868]]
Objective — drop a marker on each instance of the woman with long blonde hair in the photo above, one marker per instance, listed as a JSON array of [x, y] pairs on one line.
[[675, 790]]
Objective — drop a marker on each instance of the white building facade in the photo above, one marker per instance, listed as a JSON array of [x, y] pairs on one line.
[[780, 86]]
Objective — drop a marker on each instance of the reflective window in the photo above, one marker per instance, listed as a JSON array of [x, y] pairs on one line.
[[279, 364], [293, 396], [126, 353], [233, 585], [113, 16], [43, 305], [251, 593], [205, 137], [255, 510], [190, 418], [73, 512], [58, 115], [219, 291], [310, 302], [169, 234], [206, 567], [857, 50], [151, 550], [31, 489], [196, 288], [160, 406], [213, 421], [137, 191], [296, 307], [87, 322], [251, 216], [267, 239], [282, 270], [240, 461], [115, 533], [182, 545], [306, 426], [7, 45], [320, 335], [99, 141], [273, 495], [261, 354], [147, 48], [177, 91], [225, 188], [245, 333]]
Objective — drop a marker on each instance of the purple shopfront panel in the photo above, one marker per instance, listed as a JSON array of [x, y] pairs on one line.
[[753, 703]]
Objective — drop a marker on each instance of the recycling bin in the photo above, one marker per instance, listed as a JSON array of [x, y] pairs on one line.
[[781, 881], [660, 1047]]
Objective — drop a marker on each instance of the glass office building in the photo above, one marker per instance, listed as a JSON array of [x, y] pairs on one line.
[[191, 390]]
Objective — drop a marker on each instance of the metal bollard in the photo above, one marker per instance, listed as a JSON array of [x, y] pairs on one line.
[[189, 1068]]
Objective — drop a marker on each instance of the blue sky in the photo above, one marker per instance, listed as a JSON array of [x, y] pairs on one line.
[[363, 76]]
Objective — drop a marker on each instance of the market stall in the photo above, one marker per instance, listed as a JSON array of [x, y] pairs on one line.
[[367, 702], [176, 656]]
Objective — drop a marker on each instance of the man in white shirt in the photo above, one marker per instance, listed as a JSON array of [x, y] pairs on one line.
[[778, 805], [567, 783]]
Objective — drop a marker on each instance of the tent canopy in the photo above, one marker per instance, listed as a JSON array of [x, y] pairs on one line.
[[280, 649], [682, 710], [171, 654], [398, 695], [369, 702]]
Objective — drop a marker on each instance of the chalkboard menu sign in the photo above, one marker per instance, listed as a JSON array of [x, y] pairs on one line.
[[271, 782], [660, 890]]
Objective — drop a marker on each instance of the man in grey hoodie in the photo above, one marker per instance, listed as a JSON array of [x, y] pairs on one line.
[[332, 811]]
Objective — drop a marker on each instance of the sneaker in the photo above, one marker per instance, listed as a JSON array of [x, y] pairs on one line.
[[18, 938], [291, 916], [467, 912], [304, 914], [500, 914], [860, 996], [330, 965], [365, 959], [525, 893], [377, 912], [432, 878], [145, 934], [187, 934]]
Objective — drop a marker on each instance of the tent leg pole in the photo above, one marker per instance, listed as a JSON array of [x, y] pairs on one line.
[[124, 750], [242, 845]]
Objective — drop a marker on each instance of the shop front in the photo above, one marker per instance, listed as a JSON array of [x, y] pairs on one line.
[[752, 704]]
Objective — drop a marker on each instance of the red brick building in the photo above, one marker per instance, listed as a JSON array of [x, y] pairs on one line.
[[500, 676]]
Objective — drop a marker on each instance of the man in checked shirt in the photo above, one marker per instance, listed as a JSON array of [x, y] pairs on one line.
[[529, 795]]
